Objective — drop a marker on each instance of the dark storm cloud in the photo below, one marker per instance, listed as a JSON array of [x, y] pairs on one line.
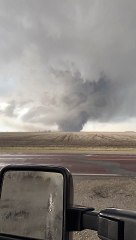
[[68, 62], [81, 100]]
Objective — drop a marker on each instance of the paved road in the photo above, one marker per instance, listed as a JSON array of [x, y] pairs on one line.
[[113, 164]]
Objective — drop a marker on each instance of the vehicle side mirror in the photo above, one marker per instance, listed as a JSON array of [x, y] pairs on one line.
[[34, 202]]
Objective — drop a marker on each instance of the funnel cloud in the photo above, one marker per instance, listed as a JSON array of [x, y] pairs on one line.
[[66, 63]]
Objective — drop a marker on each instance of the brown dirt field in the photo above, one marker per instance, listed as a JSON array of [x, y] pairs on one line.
[[65, 140]]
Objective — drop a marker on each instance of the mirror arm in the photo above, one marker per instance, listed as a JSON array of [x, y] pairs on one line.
[[110, 223], [90, 220], [80, 218], [117, 224]]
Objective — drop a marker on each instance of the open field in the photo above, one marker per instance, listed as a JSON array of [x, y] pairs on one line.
[[67, 142], [67, 149]]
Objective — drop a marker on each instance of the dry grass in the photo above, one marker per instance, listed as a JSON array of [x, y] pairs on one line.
[[67, 142], [101, 193]]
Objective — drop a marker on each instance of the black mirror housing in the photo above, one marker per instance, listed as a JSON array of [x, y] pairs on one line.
[[117, 224], [67, 186]]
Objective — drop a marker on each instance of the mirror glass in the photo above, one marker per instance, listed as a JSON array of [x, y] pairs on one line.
[[31, 204]]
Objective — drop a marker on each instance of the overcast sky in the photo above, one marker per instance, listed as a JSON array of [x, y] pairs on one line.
[[67, 65]]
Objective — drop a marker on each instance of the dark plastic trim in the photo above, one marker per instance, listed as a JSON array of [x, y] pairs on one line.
[[117, 224], [80, 218], [14, 237]]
